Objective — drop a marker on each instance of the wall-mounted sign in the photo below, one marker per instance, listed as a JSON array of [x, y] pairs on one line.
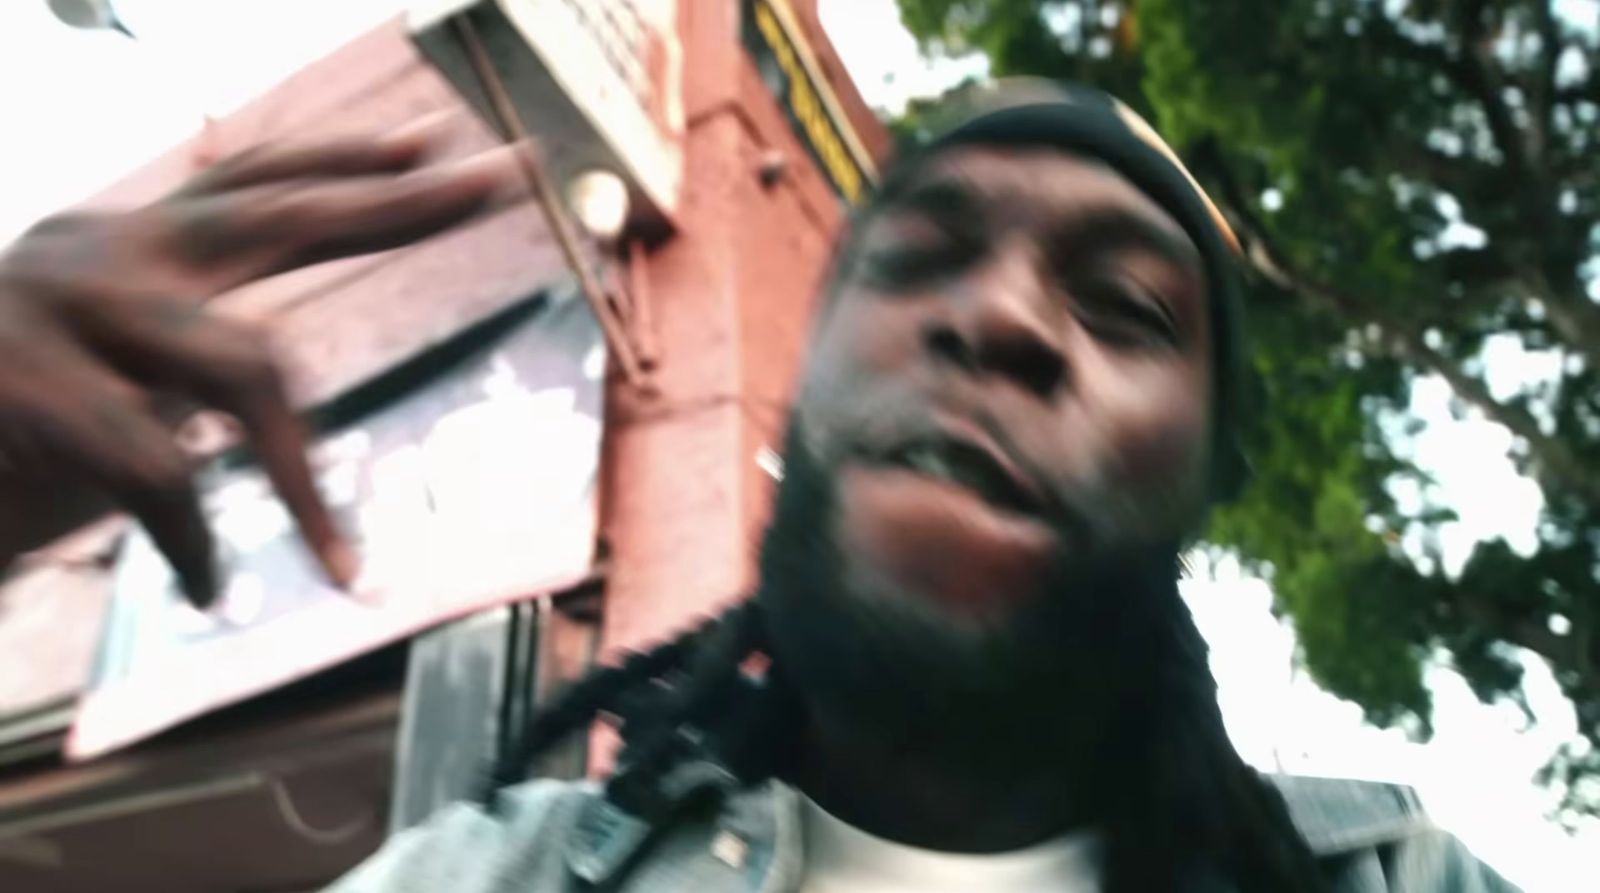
[[790, 68], [467, 478]]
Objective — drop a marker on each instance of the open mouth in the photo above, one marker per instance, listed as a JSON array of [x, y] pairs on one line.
[[969, 466]]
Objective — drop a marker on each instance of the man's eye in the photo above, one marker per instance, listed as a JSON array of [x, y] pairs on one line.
[[1125, 313], [906, 261]]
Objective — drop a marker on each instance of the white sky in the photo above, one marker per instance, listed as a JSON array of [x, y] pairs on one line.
[[80, 109]]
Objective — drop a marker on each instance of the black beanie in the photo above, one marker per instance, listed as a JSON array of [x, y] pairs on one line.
[[1087, 122]]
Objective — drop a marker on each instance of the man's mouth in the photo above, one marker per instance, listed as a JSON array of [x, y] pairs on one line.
[[979, 468], [946, 513]]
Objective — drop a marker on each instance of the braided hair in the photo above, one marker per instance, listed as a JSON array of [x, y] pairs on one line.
[[1177, 798]]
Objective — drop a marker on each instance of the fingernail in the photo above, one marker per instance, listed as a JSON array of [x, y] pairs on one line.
[[424, 132], [199, 594], [201, 582], [343, 563], [500, 171], [368, 588]]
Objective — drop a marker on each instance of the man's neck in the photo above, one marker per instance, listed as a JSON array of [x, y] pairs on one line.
[[912, 794]]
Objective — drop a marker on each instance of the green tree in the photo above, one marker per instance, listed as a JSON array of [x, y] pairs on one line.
[[1410, 178]]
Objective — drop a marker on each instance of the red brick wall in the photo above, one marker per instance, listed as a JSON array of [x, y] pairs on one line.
[[733, 295]]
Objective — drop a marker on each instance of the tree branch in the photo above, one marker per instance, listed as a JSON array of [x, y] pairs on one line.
[[1563, 652], [1478, 74], [1484, 190], [1473, 72], [1542, 96], [1572, 317], [1552, 454]]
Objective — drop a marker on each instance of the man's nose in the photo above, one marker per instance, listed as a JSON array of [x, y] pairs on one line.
[[997, 326]]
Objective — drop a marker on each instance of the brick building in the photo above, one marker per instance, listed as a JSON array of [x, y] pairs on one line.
[[742, 142]]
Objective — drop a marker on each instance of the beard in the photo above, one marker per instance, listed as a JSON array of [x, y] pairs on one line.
[[996, 693]]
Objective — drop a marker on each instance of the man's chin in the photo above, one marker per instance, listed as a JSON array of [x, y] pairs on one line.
[[887, 633], [918, 665]]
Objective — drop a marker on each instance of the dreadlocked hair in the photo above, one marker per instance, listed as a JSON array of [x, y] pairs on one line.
[[664, 701], [1175, 799]]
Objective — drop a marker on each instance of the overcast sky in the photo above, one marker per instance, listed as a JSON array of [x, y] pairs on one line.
[[79, 109]]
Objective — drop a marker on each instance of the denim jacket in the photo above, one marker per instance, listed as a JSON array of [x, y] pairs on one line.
[[559, 837]]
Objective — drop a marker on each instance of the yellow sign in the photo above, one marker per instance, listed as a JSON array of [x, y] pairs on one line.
[[791, 70]]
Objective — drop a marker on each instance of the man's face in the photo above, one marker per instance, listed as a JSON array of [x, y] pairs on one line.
[[1015, 370], [1007, 406]]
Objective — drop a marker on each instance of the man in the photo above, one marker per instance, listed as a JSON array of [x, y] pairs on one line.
[[967, 666]]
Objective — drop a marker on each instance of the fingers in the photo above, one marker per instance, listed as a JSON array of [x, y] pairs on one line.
[[256, 395], [356, 217], [396, 152], [99, 423], [246, 234], [229, 366]]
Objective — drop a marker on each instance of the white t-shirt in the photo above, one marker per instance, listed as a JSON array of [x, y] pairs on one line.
[[840, 858]]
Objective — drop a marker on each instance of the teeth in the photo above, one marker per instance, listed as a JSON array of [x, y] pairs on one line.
[[956, 468], [937, 463]]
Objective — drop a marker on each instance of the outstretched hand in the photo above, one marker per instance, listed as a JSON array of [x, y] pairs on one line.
[[100, 310]]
